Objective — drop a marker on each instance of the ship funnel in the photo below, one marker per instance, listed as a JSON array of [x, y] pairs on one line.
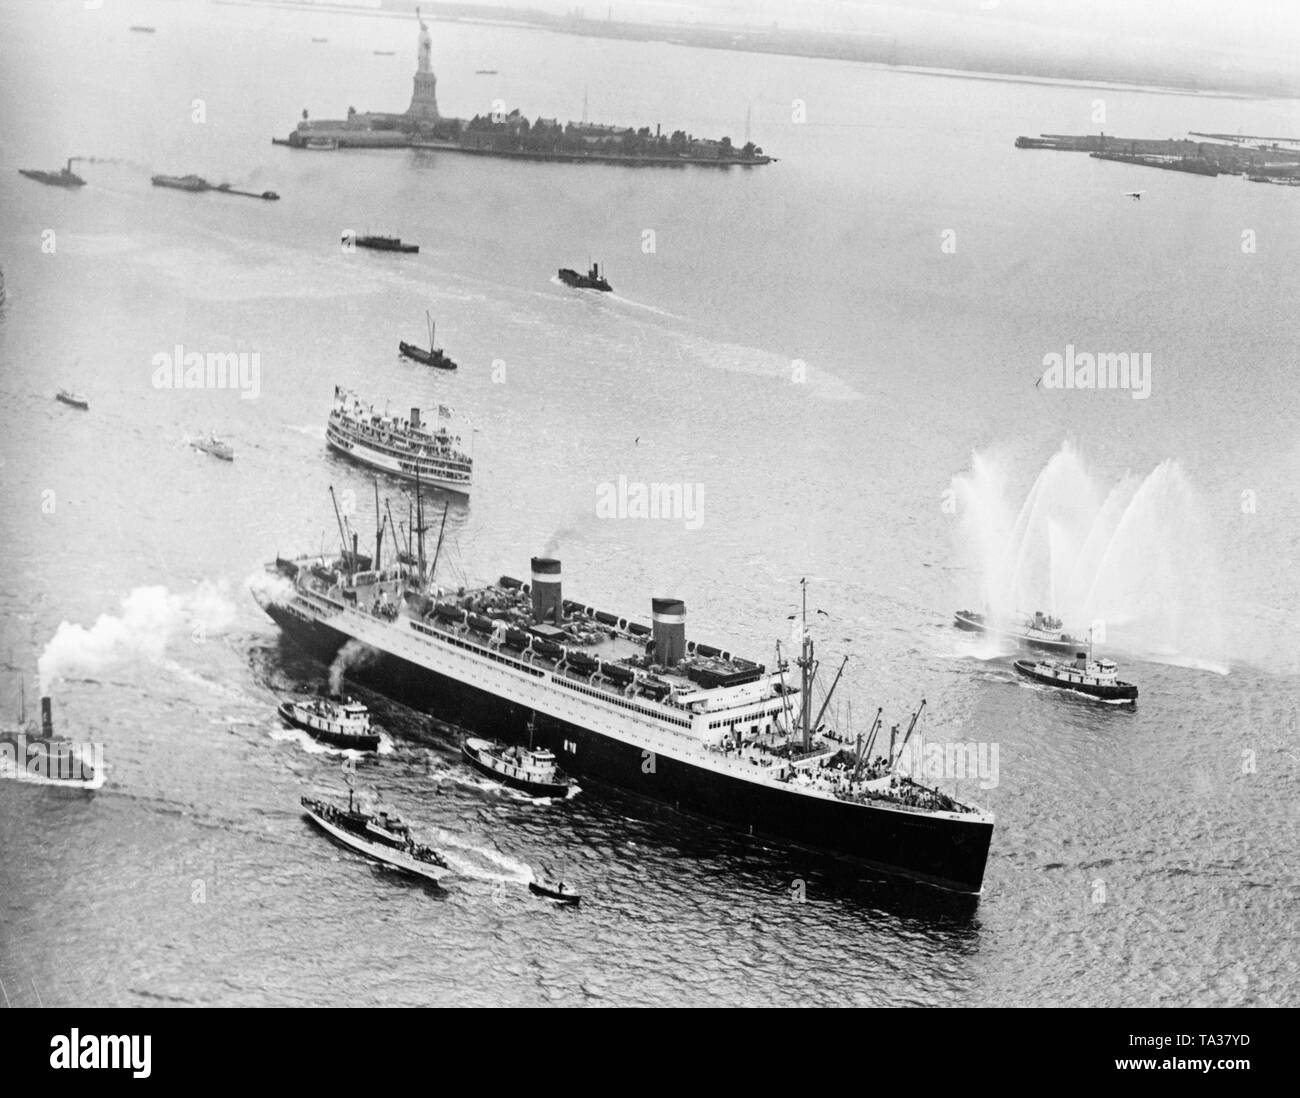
[[47, 717], [669, 617], [415, 413], [547, 602], [1081, 659]]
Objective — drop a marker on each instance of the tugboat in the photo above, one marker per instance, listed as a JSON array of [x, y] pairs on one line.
[[343, 723], [592, 280], [216, 447], [433, 356], [64, 178], [40, 757], [1097, 679], [559, 892], [76, 400], [382, 243], [1041, 631], [371, 834], [532, 771]]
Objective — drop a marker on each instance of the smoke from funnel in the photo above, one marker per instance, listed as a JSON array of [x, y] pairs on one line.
[[352, 655], [149, 618]]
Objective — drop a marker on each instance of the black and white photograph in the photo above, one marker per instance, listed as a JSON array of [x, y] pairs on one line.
[[651, 504]]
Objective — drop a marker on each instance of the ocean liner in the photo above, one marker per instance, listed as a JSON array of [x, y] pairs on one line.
[[393, 444], [634, 705]]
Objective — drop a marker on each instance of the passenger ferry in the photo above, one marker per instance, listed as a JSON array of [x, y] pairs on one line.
[[397, 445], [635, 705]]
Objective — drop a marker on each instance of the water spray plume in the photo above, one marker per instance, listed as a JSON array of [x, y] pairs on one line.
[[1135, 558]]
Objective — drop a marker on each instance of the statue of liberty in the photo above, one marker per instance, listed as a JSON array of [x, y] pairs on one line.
[[426, 45], [424, 97]]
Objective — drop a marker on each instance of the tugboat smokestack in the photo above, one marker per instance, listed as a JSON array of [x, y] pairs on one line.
[[47, 717], [669, 616], [547, 602], [415, 413]]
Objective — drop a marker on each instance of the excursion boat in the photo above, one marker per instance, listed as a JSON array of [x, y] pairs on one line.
[[533, 771], [1097, 679], [76, 400], [343, 723], [730, 738], [371, 834], [560, 892], [592, 280], [433, 356], [403, 447], [65, 177], [215, 446], [381, 243], [1040, 631]]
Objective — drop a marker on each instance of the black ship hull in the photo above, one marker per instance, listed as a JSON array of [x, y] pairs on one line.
[[538, 889], [944, 851], [1120, 692], [584, 282], [53, 179], [381, 247], [429, 358]]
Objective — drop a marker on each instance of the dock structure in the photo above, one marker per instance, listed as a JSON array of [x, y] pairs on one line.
[[1211, 154]]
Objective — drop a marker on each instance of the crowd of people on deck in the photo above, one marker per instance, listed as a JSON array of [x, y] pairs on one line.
[[835, 774]]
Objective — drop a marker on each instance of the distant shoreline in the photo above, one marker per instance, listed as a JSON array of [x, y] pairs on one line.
[[709, 37]]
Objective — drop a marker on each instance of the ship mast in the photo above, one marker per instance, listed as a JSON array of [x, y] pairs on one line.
[[807, 669], [822, 711], [379, 529], [419, 521], [437, 549], [343, 538], [915, 717]]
